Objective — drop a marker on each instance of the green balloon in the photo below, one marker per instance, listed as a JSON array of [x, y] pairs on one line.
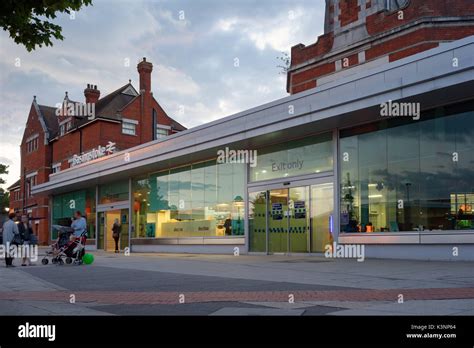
[[88, 259]]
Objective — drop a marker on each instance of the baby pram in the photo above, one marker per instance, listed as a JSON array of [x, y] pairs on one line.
[[66, 247]]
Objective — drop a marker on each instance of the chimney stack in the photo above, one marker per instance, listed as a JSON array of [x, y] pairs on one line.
[[92, 94], [144, 70]]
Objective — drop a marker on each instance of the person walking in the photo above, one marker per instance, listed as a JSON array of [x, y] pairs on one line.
[[10, 234], [228, 225], [116, 234], [26, 232]]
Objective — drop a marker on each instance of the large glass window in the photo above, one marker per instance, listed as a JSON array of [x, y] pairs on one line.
[[200, 200], [65, 205], [305, 156], [409, 175], [113, 192]]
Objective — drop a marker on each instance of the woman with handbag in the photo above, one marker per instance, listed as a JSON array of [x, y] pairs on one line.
[[116, 234], [26, 232]]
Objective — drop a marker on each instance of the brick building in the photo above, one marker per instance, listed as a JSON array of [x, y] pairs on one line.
[[56, 138], [360, 34]]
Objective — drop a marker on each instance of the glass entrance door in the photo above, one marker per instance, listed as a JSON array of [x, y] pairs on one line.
[[111, 217], [101, 236], [288, 225], [296, 219], [322, 222], [124, 222], [278, 221], [258, 221], [107, 219]]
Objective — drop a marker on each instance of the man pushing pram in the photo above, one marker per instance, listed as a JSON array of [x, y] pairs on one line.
[[79, 225], [71, 242]]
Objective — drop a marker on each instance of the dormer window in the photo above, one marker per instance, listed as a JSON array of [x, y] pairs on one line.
[[65, 126]]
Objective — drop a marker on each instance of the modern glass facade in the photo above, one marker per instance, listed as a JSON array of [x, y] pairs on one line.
[[397, 175], [404, 175], [65, 205], [203, 199]]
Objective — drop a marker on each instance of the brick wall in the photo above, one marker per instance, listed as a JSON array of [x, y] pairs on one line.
[[349, 12], [422, 25], [383, 21], [65, 147]]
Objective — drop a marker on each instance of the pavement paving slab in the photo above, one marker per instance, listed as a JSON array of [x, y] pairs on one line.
[[420, 307], [151, 284], [36, 308], [258, 311]]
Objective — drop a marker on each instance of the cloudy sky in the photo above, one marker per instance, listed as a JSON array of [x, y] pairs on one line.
[[193, 45]]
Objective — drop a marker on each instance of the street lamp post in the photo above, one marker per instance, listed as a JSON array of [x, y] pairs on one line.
[[26, 193]]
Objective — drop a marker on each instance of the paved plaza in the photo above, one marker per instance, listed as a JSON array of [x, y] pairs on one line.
[[189, 284]]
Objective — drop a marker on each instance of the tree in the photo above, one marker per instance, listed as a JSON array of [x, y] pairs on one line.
[[3, 170], [4, 200], [285, 62], [28, 21], [4, 195]]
